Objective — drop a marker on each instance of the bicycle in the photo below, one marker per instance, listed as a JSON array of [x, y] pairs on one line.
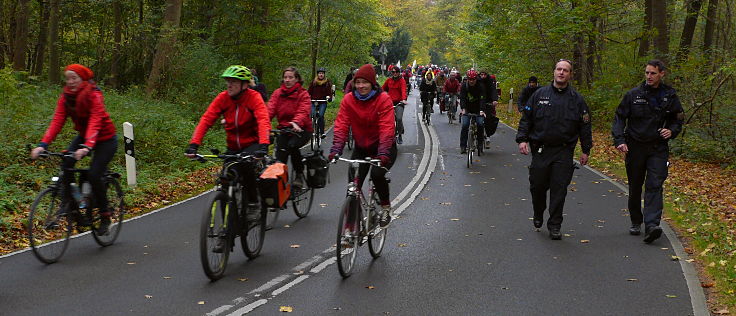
[[301, 197], [359, 220], [426, 111], [316, 141], [451, 101], [225, 217], [472, 141], [397, 132], [64, 205]]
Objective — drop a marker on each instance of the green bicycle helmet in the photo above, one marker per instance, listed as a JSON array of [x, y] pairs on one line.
[[238, 72]]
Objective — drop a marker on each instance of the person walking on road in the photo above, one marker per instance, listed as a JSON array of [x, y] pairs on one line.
[[291, 104], [396, 88], [370, 114], [554, 118], [527, 92], [646, 119], [472, 101], [321, 90]]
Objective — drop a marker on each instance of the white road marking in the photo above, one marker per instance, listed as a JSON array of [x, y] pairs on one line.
[[442, 162], [249, 308], [289, 285], [275, 281], [324, 264]]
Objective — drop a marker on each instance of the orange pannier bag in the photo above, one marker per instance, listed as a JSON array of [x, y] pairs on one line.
[[273, 185]]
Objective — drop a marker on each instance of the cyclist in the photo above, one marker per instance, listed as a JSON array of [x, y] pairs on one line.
[[440, 83], [407, 78], [246, 126], [472, 101], [452, 89], [82, 100], [427, 89], [396, 88], [290, 104], [320, 89], [370, 114], [489, 84]]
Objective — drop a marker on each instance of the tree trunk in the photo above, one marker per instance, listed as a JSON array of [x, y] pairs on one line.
[[315, 39], [591, 51], [21, 35], [659, 22], [43, 30], [117, 12], [54, 16], [646, 35], [166, 44], [688, 29], [710, 23]]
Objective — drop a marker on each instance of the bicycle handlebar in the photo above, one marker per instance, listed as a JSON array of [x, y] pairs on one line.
[[203, 158], [319, 100], [367, 160]]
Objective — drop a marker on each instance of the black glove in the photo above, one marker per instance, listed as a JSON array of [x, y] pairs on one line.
[[262, 151], [192, 149]]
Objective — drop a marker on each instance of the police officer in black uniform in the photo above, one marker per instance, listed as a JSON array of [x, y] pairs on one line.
[[552, 121], [647, 118]]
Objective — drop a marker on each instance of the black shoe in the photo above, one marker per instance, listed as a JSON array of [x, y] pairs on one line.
[[299, 180], [652, 233], [221, 242], [399, 140], [554, 234], [323, 136], [104, 228], [635, 229], [538, 222], [385, 217], [463, 151]]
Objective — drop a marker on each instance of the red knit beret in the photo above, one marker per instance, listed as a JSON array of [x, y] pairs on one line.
[[83, 72], [367, 72]]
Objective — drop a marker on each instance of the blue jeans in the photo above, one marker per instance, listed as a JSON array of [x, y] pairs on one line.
[[466, 125], [319, 108]]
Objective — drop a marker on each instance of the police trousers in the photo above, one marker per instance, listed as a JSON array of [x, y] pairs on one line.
[[551, 170], [646, 164]]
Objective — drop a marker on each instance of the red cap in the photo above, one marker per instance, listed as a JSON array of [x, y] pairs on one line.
[[368, 73], [85, 73]]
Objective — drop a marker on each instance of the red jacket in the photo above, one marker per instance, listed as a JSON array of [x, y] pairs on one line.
[[89, 117], [396, 88], [452, 86], [246, 120], [292, 108], [372, 122]]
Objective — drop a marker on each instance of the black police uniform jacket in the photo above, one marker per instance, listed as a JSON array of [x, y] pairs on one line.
[[555, 117], [643, 111]]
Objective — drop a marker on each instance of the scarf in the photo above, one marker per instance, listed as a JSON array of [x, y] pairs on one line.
[[73, 98], [320, 82], [364, 97], [285, 92]]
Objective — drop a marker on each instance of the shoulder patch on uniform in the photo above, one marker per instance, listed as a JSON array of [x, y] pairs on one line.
[[681, 116], [586, 118]]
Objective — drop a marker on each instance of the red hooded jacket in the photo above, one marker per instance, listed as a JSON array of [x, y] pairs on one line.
[[452, 85], [372, 122], [246, 120], [89, 117], [396, 88], [294, 107]]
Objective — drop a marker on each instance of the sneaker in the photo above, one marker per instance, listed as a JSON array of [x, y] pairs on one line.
[[104, 228], [323, 136], [554, 234], [488, 143], [221, 242], [652, 233], [385, 215], [635, 229], [253, 212], [399, 140]]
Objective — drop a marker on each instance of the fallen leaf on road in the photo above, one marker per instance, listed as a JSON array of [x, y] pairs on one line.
[[167, 277], [131, 263], [467, 185], [567, 235], [722, 312], [454, 219], [584, 241], [689, 260], [707, 285], [286, 309], [484, 182], [446, 203], [295, 246], [671, 296], [474, 172], [323, 204], [402, 245], [148, 296], [287, 226], [632, 280], [200, 302], [519, 239], [242, 279], [664, 248], [370, 287], [425, 198], [504, 288]]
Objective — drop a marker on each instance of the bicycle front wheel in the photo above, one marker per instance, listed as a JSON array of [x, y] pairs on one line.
[[302, 201], [348, 231], [49, 226], [471, 147], [253, 234], [117, 207], [214, 244], [377, 235]]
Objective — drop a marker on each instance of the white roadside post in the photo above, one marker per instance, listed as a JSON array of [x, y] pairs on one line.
[[511, 99], [128, 139]]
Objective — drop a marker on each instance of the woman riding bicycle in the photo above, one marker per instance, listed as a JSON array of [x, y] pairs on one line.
[[320, 90], [290, 104], [427, 89], [246, 126], [370, 114], [82, 101]]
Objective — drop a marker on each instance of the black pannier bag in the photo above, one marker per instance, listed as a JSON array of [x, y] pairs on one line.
[[317, 169]]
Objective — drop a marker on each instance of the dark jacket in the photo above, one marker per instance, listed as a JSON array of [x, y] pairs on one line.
[[643, 111], [473, 98], [427, 88], [555, 117], [490, 87], [526, 93], [320, 91]]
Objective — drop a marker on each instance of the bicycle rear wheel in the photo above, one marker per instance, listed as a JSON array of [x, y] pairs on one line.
[[117, 207], [302, 199], [377, 235], [348, 230], [471, 146], [49, 226], [212, 229], [251, 239]]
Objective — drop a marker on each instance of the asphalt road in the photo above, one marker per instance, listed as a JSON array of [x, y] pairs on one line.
[[463, 244]]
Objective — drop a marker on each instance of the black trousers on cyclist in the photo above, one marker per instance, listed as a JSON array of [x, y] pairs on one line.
[[103, 154], [377, 174], [288, 145], [551, 170], [247, 174], [399, 113]]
